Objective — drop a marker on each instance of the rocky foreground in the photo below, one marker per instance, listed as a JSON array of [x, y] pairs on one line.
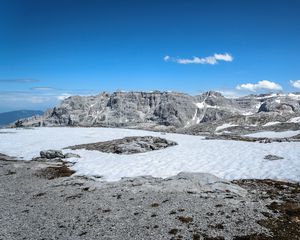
[[42, 200]]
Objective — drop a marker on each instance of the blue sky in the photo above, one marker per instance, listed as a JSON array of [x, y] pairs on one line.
[[54, 48]]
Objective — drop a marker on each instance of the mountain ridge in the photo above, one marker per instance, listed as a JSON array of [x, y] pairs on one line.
[[167, 110], [11, 116]]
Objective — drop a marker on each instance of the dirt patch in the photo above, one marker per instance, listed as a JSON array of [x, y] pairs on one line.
[[154, 205], [173, 231], [287, 225], [185, 219], [284, 203], [55, 172], [253, 237]]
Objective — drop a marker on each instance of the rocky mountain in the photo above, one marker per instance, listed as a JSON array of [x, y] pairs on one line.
[[10, 117], [173, 111]]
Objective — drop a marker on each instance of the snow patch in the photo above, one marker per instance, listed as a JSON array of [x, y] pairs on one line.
[[270, 134], [278, 101], [223, 158], [294, 120], [267, 96], [200, 105], [247, 113], [224, 126], [271, 124], [294, 96], [258, 105]]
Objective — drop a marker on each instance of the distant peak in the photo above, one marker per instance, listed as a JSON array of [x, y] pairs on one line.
[[213, 94]]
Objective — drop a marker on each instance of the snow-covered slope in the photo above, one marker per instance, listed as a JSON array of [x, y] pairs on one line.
[[225, 159]]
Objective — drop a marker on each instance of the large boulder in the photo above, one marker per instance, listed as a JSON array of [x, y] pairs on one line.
[[286, 105], [51, 154]]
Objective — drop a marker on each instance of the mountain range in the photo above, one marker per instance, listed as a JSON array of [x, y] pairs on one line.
[[9, 117], [173, 111]]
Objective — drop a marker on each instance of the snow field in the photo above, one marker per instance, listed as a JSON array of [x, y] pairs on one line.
[[223, 158]]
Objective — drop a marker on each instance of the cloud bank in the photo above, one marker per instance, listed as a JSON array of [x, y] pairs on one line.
[[212, 60], [261, 85], [33, 99], [295, 83]]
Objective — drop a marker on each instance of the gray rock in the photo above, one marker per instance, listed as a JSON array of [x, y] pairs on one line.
[[128, 145], [43, 159], [51, 154], [71, 155], [193, 183], [285, 105], [272, 157]]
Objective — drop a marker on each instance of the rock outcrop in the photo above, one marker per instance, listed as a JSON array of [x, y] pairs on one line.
[[272, 157], [54, 155], [128, 145], [51, 154]]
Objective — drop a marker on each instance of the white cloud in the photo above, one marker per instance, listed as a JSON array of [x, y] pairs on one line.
[[224, 57], [166, 58], [63, 96], [29, 99], [16, 97], [261, 85], [43, 88], [295, 83], [212, 60]]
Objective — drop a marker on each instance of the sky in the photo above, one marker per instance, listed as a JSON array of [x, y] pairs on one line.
[[52, 49]]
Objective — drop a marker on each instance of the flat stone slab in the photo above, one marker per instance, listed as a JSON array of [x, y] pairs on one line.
[[128, 145]]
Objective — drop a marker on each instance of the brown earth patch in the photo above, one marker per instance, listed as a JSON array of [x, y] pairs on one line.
[[55, 172]]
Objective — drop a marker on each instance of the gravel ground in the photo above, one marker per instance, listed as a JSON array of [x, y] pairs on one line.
[[41, 200]]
